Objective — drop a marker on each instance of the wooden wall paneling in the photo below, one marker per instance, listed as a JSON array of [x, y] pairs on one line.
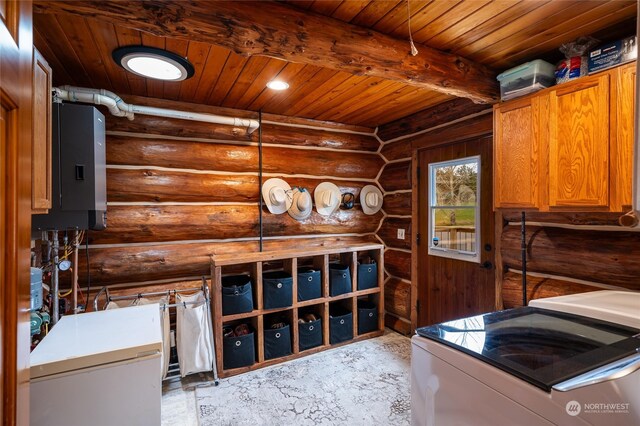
[[329, 100], [128, 37], [423, 16], [245, 79], [141, 263], [398, 263], [157, 185], [232, 69], [136, 224], [349, 9], [396, 176], [439, 25], [389, 232], [431, 117], [197, 54], [397, 204], [607, 257], [474, 127], [294, 74], [416, 181], [271, 71], [271, 133], [499, 224], [622, 138], [537, 288], [315, 76], [398, 324], [131, 151], [364, 96], [397, 298], [417, 99], [179, 47], [211, 71], [396, 150]]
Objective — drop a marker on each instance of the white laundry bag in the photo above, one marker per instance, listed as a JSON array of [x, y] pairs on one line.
[[193, 334], [166, 329]]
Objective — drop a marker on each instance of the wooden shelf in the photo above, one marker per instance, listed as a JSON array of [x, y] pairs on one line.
[[348, 255]]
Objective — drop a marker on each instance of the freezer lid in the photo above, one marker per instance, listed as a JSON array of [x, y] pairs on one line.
[[97, 338], [540, 346], [620, 307]]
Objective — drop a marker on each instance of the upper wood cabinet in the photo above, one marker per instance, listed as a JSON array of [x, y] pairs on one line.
[[569, 147], [41, 136]]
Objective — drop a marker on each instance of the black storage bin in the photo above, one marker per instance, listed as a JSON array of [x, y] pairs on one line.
[[340, 326], [367, 276], [277, 289], [238, 351], [309, 284], [277, 342], [339, 279], [237, 297], [367, 317], [310, 334]]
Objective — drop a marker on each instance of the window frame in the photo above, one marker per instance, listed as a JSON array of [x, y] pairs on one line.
[[446, 252]]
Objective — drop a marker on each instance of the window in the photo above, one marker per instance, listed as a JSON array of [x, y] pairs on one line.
[[454, 209]]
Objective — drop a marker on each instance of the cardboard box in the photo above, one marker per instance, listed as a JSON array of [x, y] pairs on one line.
[[613, 54]]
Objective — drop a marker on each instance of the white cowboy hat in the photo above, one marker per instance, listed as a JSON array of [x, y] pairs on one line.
[[327, 198], [277, 195], [302, 204], [371, 199]]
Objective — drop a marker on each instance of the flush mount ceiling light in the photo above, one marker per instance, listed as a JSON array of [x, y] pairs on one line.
[[278, 85], [153, 63]]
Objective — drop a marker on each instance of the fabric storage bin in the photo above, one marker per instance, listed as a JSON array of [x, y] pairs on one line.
[[367, 276], [367, 317], [309, 284], [277, 342], [340, 326], [277, 289], [237, 297], [339, 279], [310, 334], [238, 351]]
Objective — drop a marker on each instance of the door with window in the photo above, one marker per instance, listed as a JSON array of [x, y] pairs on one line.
[[456, 275]]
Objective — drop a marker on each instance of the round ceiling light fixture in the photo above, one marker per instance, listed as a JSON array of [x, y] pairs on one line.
[[278, 85], [152, 62]]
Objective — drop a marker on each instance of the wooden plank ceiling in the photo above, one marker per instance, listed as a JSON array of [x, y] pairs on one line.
[[498, 34]]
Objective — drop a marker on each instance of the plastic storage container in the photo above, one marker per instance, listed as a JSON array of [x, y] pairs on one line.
[[309, 284], [367, 276], [237, 297], [277, 289], [339, 279], [526, 78]]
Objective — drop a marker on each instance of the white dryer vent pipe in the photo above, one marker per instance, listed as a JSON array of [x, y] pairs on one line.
[[120, 108]]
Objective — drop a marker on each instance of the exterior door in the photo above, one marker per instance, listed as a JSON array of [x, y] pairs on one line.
[[16, 44], [456, 276]]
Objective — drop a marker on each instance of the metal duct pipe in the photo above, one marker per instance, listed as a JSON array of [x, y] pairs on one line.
[[120, 108]]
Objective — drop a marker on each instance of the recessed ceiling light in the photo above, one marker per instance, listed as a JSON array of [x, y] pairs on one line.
[[278, 85], [153, 63]]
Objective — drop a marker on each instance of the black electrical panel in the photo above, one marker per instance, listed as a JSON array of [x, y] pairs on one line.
[[79, 182]]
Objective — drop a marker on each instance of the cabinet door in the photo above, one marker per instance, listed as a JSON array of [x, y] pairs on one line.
[[516, 154], [41, 137], [579, 144], [622, 148]]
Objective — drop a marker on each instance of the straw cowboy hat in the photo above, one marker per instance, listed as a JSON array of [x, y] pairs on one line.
[[277, 195], [327, 198], [371, 199], [301, 205]]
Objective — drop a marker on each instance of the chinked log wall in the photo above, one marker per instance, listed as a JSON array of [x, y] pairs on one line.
[[399, 140], [179, 191]]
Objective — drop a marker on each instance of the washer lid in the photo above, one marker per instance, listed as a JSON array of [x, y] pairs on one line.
[[540, 346], [96, 338]]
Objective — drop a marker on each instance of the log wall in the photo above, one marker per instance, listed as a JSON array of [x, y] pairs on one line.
[[179, 191]]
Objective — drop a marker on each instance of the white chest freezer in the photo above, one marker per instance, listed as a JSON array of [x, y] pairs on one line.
[[99, 368]]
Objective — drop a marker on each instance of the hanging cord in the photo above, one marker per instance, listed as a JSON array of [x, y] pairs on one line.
[[523, 247], [260, 174], [414, 51]]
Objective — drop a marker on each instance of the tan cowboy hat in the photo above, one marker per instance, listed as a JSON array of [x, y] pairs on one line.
[[371, 199], [327, 198], [277, 195], [302, 204]]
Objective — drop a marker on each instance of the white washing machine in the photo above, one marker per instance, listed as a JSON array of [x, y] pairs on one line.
[[531, 366]]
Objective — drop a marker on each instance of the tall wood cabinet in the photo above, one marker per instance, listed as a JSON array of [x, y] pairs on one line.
[[569, 147], [41, 136]]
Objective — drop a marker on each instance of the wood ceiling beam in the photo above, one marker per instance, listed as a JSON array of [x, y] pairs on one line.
[[279, 31]]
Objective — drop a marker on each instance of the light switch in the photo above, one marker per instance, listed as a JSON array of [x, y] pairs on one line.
[[401, 234]]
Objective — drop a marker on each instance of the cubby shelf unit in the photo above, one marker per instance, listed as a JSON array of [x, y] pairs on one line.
[[320, 258]]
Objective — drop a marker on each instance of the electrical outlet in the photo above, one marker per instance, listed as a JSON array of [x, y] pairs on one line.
[[401, 234]]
